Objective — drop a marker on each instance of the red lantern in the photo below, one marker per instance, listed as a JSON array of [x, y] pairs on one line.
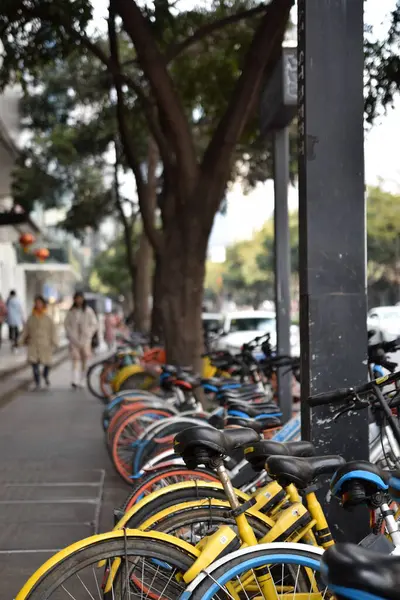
[[26, 240], [41, 254]]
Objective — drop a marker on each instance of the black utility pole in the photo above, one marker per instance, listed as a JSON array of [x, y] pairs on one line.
[[277, 110], [282, 265], [332, 228]]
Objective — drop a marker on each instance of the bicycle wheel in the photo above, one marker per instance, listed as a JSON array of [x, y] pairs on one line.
[[127, 434], [172, 495], [294, 570], [164, 477], [157, 439], [93, 380], [117, 402], [130, 408], [106, 377], [149, 568], [193, 521]]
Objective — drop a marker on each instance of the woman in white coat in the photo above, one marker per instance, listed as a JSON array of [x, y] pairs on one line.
[[80, 326]]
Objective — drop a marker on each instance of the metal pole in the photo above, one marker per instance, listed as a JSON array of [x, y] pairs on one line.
[[333, 322], [282, 265]]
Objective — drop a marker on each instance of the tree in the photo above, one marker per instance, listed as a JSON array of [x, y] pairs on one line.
[[196, 168], [66, 160], [110, 273], [382, 64], [383, 245], [152, 54]]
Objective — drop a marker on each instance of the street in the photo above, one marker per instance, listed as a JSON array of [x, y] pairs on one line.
[[57, 484]]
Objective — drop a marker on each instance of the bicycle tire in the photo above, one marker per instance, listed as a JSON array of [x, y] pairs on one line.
[[146, 484], [173, 495], [90, 384], [100, 549], [131, 408], [121, 400], [207, 516], [126, 434], [208, 585], [161, 439], [106, 378]]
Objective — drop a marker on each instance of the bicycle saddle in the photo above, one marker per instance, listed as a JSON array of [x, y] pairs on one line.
[[258, 453], [302, 471], [258, 425], [200, 445], [356, 568], [253, 410], [356, 481]]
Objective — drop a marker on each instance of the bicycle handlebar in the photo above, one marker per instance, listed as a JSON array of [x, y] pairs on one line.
[[337, 396]]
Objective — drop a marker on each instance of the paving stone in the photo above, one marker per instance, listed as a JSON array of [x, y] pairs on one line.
[[57, 483]]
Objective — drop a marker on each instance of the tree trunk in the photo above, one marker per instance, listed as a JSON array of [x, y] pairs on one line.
[[182, 271], [142, 285], [144, 261], [156, 315]]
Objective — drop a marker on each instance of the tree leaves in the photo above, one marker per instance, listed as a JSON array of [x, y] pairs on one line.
[[248, 272]]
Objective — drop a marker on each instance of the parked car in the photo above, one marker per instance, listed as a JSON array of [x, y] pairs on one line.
[[384, 321], [212, 322], [240, 327]]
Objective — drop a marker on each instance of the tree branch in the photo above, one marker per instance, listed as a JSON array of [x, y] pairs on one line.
[[127, 143], [94, 48], [175, 49], [261, 56], [169, 104]]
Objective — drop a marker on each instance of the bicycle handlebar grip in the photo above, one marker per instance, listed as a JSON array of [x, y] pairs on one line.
[[392, 346], [330, 397]]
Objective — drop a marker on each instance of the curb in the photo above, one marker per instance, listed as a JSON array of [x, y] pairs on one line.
[[9, 387]]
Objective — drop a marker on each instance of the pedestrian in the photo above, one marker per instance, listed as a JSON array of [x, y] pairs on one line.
[[15, 318], [40, 336], [3, 316], [110, 325], [80, 326]]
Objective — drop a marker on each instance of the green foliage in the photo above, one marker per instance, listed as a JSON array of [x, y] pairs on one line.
[[248, 272], [383, 240], [382, 64], [110, 273]]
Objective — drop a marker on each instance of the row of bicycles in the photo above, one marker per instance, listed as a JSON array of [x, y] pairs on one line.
[[224, 500]]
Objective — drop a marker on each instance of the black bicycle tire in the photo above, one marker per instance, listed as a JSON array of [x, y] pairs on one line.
[[104, 549], [174, 498], [153, 448], [101, 397], [213, 514]]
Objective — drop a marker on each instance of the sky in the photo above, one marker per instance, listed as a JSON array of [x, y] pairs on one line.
[[247, 213]]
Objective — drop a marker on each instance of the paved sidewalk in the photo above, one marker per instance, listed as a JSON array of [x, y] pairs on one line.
[[57, 483]]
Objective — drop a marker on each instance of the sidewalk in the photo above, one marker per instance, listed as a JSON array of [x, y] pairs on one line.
[[9, 360], [57, 483]]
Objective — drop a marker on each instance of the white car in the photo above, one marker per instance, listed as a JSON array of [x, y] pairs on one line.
[[212, 322], [385, 322], [241, 327]]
